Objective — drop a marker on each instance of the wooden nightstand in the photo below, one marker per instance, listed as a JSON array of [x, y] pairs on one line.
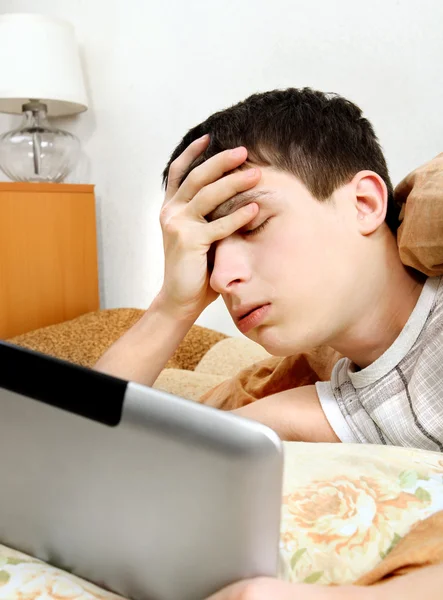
[[48, 255]]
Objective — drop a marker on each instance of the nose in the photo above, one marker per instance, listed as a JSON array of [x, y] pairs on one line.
[[231, 266]]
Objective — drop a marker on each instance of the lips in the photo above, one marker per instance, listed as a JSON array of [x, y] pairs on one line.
[[248, 312], [248, 317], [242, 310]]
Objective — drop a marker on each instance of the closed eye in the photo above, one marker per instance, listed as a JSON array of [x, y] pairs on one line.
[[257, 230]]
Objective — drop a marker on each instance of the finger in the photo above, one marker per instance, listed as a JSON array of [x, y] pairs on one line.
[[211, 170], [226, 226], [214, 194], [180, 165]]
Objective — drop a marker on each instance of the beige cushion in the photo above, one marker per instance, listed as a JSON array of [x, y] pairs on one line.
[[187, 384], [221, 362], [229, 356]]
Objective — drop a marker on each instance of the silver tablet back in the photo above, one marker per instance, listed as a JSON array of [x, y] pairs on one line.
[[172, 503]]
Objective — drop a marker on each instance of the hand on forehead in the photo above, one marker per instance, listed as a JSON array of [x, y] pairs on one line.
[[239, 200]]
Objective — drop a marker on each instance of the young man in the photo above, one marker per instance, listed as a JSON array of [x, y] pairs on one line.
[[283, 205]]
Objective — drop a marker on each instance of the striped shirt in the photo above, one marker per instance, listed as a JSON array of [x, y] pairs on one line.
[[398, 399]]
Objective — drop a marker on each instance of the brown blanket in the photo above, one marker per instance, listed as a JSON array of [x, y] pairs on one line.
[[420, 242], [272, 375]]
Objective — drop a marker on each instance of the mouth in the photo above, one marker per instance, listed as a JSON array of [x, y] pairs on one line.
[[251, 317]]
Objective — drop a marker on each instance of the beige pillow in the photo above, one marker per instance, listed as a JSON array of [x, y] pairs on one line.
[[229, 356], [187, 384], [224, 360]]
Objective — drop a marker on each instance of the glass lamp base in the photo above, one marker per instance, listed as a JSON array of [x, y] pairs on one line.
[[36, 151]]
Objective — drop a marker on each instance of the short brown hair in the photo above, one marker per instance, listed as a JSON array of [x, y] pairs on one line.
[[321, 138]]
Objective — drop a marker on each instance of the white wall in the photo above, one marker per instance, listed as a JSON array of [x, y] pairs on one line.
[[155, 69]]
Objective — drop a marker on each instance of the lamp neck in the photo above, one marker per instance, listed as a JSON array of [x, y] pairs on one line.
[[36, 114]]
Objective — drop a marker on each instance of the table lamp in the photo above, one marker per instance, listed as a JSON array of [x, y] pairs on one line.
[[40, 75]]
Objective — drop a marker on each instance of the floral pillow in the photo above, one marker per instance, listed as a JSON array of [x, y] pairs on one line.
[[345, 506], [25, 578]]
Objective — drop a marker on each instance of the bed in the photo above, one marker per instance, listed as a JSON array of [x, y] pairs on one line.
[[344, 507]]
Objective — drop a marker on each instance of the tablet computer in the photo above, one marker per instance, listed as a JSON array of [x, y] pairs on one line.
[[139, 491]]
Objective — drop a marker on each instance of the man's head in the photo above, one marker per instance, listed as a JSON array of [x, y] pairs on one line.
[[322, 139], [325, 201]]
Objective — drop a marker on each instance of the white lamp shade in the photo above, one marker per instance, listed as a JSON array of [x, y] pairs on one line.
[[39, 60]]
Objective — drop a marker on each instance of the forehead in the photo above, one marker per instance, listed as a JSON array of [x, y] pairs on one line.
[[239, 200], [273, 187]]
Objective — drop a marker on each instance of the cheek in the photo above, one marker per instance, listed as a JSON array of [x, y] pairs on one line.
[[299, 255], [273, 259]]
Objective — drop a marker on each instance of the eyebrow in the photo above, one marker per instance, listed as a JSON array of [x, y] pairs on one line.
[[237, 201]]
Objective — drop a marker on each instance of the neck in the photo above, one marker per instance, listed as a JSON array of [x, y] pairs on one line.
[[386, 306]]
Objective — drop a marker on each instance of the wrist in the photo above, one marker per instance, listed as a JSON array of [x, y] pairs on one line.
[[178, 313]]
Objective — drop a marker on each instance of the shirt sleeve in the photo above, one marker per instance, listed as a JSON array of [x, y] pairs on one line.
[[333, 413]]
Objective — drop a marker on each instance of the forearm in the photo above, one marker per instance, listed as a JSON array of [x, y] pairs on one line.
[[143, 351]]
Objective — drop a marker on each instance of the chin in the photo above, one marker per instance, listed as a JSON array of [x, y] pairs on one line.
[[272, 342], [283, 344]]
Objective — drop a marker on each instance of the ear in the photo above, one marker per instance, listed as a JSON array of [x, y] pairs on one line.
[[371, 200]]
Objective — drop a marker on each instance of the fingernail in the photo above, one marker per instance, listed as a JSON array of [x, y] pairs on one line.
[[251, 173], [237, 152], [203, 137]]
